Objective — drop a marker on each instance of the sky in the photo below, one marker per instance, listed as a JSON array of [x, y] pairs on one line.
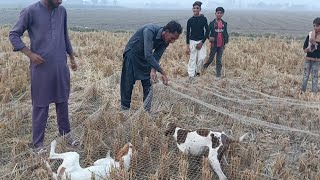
[[187, 3], [225, 3]]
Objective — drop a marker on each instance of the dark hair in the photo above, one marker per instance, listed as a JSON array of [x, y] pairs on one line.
[[220, 9], [172, 27], [197, 3], [316, 21]]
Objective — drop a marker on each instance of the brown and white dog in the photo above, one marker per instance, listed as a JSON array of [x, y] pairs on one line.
[[70, 168], [196, 142]]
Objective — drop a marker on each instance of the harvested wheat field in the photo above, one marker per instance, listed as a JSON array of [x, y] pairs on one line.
[[259, 94]]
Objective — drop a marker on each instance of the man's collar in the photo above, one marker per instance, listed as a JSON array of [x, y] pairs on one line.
[[42, 3]]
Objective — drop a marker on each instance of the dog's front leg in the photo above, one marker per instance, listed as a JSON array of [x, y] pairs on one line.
[[52, 149], [215, 164]]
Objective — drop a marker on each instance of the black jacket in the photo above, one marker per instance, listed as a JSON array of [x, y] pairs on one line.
[[195, 29], [212, 28]]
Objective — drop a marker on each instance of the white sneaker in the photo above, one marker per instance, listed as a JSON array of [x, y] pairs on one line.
[[126, 113], [70, 140], [39, 151]]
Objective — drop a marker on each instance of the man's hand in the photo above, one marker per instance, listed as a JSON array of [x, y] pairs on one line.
[[199, 46], [187, 49], [211, 39], [36, 58], [165, 79], [306, 50], [153, 76], [74, 65]]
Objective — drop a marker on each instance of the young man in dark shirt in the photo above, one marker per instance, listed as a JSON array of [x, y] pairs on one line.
[[312, 59], [197, 33], [218, 38]]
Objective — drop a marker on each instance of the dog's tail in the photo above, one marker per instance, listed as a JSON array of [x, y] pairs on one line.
[[52, 149], [108, 154], [241, 138]]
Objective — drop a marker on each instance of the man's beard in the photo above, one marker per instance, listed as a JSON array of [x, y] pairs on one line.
[[51, 4]]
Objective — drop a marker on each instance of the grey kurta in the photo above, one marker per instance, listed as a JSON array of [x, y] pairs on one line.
[[50, 81]]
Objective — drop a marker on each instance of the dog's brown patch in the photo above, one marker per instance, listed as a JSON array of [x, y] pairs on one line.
[[123, 152], [203, 132], [225, 145], [171, 128], [182, 135], [215, 141]]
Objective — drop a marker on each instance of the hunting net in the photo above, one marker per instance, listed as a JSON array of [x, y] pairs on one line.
[[283, 140], [257, 95]]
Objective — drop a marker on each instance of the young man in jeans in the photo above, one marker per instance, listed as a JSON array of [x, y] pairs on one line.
[[218, 38], [312, 59]]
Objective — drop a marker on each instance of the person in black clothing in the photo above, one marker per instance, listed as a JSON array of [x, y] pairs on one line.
[[218, 38], [197, 33], [312, 59], [141, 59]]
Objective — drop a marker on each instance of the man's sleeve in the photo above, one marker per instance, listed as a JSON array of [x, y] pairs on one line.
[[211, 30], [66, 35], [306, 43], [18, 29], [148, 47], [157, 54], [206, 35], [227, 34], [188, 32]]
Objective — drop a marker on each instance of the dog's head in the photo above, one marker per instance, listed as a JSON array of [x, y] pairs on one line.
[[127, 149], [170, 129], [124, 155]]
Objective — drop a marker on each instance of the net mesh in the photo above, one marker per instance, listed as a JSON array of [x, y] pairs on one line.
[[257, 97], [282, 143]]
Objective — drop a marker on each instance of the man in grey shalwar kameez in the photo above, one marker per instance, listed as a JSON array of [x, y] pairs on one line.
[[141, 59], [46, 23]]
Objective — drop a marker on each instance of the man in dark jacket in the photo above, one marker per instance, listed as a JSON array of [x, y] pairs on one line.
[[141, 59], [219, 38]]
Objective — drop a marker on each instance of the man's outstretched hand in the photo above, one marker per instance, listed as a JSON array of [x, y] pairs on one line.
[[165, 79]]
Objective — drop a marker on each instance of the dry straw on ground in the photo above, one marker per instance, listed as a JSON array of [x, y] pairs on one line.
[[259, 93]]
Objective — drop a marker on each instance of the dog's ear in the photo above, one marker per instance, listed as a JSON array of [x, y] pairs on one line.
[[170, 129], [131, 146], [122, 152]]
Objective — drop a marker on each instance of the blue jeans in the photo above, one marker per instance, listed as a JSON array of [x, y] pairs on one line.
[[213, 51], [308, 67]]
